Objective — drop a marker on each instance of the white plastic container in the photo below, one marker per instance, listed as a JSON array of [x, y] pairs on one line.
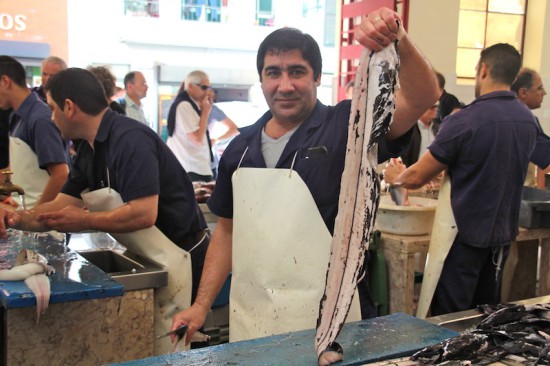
[[415, 219]]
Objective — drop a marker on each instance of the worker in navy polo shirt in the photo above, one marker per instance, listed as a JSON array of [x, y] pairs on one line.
[[39, 158], [485, 149], [125, 181], [530, 91], [278, 186]]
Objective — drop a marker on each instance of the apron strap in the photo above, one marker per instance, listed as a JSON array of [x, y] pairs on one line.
[[14, 123], [499, 252], [240, 161], [205, 234], [108, 178], [292, 165]]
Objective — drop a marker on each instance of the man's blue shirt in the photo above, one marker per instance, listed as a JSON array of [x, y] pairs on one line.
[[37, 130], [487, 147], [319, 145], [541, 156], [131, 158]]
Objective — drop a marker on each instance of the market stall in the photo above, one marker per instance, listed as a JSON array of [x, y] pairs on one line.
[[524, 277], [91, 319]]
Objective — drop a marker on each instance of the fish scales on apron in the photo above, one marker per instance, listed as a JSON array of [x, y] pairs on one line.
[[281, 247], [443, 234], [152, 244]]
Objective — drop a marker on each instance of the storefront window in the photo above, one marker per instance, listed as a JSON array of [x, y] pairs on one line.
[[208, 10], [33, 75], [264, 12], [311, 7], [142, 8], [483, 23], [329, 33]]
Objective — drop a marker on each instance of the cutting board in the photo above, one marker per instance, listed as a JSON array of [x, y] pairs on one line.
[[366, 341]]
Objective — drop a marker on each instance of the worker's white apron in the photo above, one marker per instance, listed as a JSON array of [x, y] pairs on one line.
[[152, 244], [26, 171], [443, 234], [281, 249]]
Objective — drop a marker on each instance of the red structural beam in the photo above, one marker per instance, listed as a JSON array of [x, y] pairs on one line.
[[349, 53]]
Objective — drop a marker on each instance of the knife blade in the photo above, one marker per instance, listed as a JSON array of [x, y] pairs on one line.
[[397, 193], [179, 331]]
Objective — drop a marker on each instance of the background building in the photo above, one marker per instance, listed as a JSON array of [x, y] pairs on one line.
[[31, 30], [165, 39]]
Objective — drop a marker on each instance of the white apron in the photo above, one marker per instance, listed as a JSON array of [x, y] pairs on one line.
[[443, 234], [152, 244], [26, 172], [281, 249]]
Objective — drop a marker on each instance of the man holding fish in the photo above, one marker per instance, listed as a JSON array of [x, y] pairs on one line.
[[277, 191]]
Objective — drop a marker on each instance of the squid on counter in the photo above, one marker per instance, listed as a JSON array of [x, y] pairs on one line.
[[33, 268]]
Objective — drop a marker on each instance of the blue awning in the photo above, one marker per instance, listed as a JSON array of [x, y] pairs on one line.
[[24, 49]]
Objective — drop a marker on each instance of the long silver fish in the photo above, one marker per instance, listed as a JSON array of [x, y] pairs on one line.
[[372, 109]]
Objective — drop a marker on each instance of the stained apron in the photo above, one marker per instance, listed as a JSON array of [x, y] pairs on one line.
[[152, 244], [443, 234], [26, 171], [281, 250]]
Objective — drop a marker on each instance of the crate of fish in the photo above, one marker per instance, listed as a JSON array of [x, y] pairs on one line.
[[534, 211]]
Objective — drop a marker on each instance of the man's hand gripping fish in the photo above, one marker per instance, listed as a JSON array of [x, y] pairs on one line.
[[372, 109]]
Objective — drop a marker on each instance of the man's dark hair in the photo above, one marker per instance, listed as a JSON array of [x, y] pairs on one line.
[[524, 80], [80, 86], [440, 80], [13, 69], [129, 78], [287, 39], [503, 62]]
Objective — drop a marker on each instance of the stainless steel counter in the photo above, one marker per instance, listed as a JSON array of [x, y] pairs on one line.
[[132, 271]]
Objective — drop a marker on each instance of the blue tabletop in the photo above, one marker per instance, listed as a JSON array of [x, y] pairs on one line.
[[386, 337], [74, 278]]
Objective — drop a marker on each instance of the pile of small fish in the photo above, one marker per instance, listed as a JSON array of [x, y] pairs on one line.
[[33, 268], [512, 334], [372, 108]]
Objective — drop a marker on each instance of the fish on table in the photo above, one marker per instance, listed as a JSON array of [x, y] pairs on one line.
[[372, 109], [518, 334]]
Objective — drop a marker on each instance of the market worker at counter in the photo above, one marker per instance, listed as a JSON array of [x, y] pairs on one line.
[[530, 91], [38, 156], [279, 182], [485, 148], [154, 212]]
